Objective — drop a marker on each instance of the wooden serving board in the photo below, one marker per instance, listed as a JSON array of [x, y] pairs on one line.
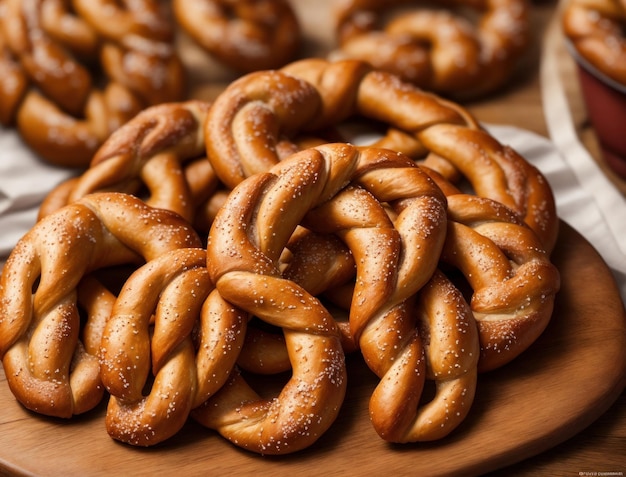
[[566, 380]]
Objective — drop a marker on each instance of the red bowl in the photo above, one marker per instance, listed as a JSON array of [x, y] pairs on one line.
[[605, 100]]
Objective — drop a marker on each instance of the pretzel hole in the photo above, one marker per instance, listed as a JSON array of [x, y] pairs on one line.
[[429, 392]]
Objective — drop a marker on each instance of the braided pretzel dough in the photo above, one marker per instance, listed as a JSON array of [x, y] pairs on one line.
[[161, 149], [596, 30], [437, 48], [172, 293], [393, 262], [59, 108], [513, 281], [261, 110], [318, 263], [46, 365], [250, 279], [245, 35]]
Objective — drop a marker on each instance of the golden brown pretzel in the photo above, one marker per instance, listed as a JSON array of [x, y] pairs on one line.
[[439, 48], [14, 83], [159, 155], [393, 262], [245, 35], [310, 401], [513, 283], [318, 263], [64, 111], [138, 49], [596, 31], [45, 363], [448, 334], [263, 109], [150, 334]]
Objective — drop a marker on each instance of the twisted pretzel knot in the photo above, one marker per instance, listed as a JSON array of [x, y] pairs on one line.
[[59, 107], [596, 30], [246, 35], [437, 48], [393, 261], [162, 150], [172, 294], [47, 367], [261, 110], [512, 279]]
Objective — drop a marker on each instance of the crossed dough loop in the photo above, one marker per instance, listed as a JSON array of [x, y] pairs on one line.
[[46, 365], [158, 155], [250, 122], [596, 31], [513, 283], [245, 35], [152, 333], [439, 48], [56, 102], [339, 189]]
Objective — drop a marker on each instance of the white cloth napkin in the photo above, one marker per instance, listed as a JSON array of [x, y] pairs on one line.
[[24, 182]]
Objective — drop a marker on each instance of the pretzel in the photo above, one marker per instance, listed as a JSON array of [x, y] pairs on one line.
[[138, 46], [439, 48], [185, 373], [263, 109], [595, 29], [513, 283], [392, 262], [450, 347], [15, 83], [246, 35], [60, 108], [161, 150], [46, 365]]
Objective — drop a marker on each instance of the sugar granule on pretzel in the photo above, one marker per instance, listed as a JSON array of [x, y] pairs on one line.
[[249, 119], [150, 335], [44, 361], [460, 49], [245, 35]]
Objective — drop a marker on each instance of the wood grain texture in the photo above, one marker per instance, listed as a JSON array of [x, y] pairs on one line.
[[564, 382]]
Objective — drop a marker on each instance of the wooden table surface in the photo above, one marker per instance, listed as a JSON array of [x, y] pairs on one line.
[[600, 449]]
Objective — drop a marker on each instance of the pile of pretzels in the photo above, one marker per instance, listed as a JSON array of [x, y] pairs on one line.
[[74, 71], [259, 234], [72, 74]]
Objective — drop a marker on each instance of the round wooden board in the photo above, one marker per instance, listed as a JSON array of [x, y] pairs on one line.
[[569, 377]]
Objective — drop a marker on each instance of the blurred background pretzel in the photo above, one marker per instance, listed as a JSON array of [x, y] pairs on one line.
[[244, 35], [595, 29], [78, 83], [47, 367], [461, 49]]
